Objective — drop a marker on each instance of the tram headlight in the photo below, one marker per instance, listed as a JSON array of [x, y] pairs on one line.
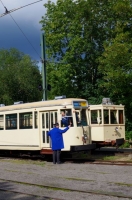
[[85, 137]]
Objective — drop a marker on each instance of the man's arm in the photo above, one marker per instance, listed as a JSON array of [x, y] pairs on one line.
[[63, 131]]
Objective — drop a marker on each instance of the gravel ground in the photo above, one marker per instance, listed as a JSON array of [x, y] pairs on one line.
[[26, 180]]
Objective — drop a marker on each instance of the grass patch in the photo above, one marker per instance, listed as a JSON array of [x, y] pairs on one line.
[[101, 173], [110, 158], [125, 145], [78, 179], [40, 186], [18, 171], [116, 194], [123, 184], [27, 162], [58, 189]]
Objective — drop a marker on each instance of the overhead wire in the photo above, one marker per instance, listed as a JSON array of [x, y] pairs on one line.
[[9, 12], [2, 3], [17, 8], [25, 35], [23, 32]]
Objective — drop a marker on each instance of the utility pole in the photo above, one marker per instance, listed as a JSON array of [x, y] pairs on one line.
[[43, 56]]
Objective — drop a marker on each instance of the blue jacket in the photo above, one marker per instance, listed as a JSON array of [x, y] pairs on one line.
[[64, 121], [57, 138]]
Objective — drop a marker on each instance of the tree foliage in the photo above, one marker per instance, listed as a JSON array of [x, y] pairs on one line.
[[116, 61], [92, 40], [19, 77], [74, 37]]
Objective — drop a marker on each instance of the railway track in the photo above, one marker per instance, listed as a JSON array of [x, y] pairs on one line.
[[93, 158], [102, 156], [26, 194], [99, 162], [113, 150], [64, 189], [77, 161], [27, 180]]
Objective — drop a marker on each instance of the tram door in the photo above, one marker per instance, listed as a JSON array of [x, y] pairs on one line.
[[47, 119]]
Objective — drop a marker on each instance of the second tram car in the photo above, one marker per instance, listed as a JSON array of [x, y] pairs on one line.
[[24, 126], [107, 123]]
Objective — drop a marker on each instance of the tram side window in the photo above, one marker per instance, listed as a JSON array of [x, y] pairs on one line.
[[56, 117], [36, 119], [11, 121], [1, 122], [25, 120], [47, 120], [66, 118], [53, 118], [94, 115], [106, 116], [113, 116], [121, 118]]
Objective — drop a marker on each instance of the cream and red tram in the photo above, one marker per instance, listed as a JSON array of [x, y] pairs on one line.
[[24, 126], [107, 123]]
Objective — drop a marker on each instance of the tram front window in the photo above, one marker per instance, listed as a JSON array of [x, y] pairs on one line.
[[66, 118], [81, 118], [113, 116], [121, 117], [94, 116], [106, 116]]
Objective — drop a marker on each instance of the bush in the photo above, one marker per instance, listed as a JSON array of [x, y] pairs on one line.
[[125, 145], [128, 135]]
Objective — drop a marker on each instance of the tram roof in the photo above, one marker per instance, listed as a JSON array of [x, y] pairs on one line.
[[106, 106], [48, 103]]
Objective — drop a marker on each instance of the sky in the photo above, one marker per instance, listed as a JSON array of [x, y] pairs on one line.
[[28, 20]]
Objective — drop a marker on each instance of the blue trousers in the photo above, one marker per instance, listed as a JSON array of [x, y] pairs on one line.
[[56, 156]]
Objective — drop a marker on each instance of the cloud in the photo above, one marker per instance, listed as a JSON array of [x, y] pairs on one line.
[[27, 39]]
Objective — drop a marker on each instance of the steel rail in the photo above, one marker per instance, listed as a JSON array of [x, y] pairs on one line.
[[113, 149], [93, 192], [74, 160], [98, 162], [31, 195]]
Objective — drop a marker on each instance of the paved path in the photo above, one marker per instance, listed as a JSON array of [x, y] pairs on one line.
[[36, 180]]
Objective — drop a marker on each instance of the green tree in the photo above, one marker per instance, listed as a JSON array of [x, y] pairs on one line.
[[75, 32], [19, 77], [116, 61], [84, 34]]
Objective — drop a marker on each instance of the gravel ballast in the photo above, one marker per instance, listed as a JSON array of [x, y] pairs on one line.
[[27, 179]]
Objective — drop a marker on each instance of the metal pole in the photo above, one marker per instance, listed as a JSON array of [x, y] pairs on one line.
[[43, 56]]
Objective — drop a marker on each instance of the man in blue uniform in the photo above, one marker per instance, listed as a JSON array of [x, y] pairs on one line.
[[57, 142], [64, 120]]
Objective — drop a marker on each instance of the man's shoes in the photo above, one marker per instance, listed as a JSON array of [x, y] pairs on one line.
[[59, 163]]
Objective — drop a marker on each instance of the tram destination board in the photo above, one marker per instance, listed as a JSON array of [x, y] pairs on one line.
[[79, 104]]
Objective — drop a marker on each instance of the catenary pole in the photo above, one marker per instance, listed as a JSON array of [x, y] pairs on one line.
[[43, 56]]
